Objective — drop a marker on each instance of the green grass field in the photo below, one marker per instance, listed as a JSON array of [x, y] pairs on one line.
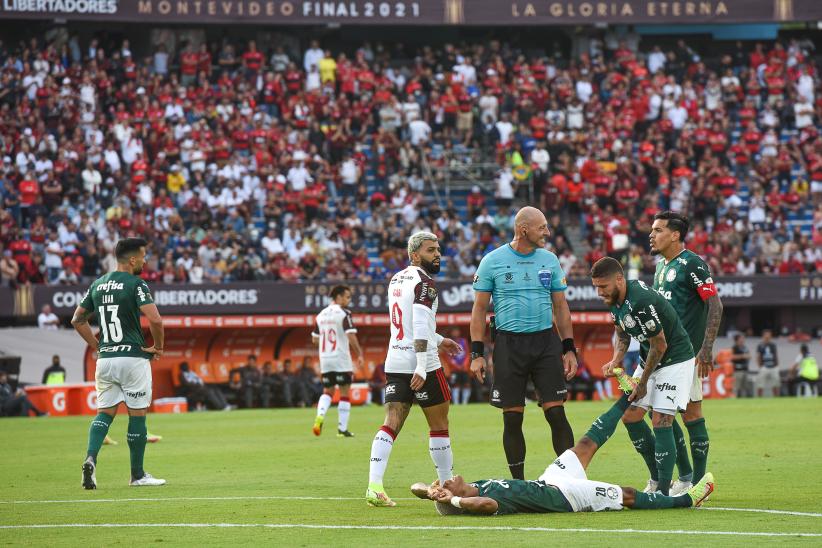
[[265, 469]]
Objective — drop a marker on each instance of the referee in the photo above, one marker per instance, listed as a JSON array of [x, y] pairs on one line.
[[528, 287]]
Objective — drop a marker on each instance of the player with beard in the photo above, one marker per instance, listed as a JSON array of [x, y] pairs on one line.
[[666, 370], [684, 279], [123, 372], [528, 286], [412, 367]]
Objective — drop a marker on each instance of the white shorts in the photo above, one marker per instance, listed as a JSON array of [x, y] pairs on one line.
[[123, 379], [669, 388], [584, 495], [696, 386]]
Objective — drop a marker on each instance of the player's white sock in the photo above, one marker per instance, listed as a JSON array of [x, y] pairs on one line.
[[439, 445], [466, 395], [343, 411], [380, 451], [323, 405]]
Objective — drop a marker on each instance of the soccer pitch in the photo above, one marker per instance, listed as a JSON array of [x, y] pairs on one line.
[[261, 477]]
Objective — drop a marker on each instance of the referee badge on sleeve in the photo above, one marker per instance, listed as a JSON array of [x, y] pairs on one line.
[[545, 277]]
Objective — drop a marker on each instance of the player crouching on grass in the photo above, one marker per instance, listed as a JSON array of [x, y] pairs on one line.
[[564, 486]]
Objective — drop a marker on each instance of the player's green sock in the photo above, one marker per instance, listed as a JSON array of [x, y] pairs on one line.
[[136, 436], [97, 433], [699, 446], [655, 501], [665, 456], [683, 463], [604, 426], [643, 439]]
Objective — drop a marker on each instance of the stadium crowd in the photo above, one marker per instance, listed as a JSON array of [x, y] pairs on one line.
[[246, 162]]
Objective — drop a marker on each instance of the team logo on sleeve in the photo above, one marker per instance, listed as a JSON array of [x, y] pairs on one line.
[[476, 278], [545, 277], [141, 294], [650, 325], [629, 321], [671, 275]]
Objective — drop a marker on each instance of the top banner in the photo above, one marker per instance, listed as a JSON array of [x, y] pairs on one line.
[[419, 12], [280, 298]]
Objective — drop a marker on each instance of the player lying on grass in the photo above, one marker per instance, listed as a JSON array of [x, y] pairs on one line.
[[564, 486]]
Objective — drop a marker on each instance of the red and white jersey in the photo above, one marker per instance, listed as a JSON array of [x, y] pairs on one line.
[[412, 305], [332, 326]]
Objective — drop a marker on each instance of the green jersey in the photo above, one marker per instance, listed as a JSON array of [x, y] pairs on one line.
[[520, 496], [117, 298], [685, 281], [645, 314]]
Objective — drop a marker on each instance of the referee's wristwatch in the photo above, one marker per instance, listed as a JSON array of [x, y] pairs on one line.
[[477, 350], [568, 346]]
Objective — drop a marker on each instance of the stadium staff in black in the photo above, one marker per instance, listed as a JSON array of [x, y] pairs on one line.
[[528, 286]]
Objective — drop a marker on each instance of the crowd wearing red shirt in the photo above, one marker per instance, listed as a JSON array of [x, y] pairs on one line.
[[261, 165]]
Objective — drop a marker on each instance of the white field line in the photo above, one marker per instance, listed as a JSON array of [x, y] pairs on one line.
[[401, 528], [172, 499], [274, 497], [765, 511]]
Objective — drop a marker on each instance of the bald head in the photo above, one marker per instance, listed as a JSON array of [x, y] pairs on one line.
[[529, 216], [531, 230]]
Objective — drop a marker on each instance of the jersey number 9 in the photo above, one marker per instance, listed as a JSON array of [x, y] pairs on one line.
[[396, 320]]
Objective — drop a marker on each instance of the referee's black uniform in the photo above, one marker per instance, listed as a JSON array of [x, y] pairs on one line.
[[526, 344]]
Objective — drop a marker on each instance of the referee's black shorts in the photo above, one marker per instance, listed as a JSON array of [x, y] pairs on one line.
[[522, 356]]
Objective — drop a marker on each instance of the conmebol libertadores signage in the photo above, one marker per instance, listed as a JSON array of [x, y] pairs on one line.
[[281, 298]]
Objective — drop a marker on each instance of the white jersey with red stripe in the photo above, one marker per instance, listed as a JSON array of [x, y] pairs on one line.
[[332, 326], [412, 295]]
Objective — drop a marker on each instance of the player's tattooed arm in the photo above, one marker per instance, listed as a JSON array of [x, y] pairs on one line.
[[622, 343], [658, 346], [623, 340], [81, 316], [704, 359], [81, 325]]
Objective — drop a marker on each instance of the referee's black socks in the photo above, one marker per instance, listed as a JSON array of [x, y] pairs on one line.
[[561, 434], [513, 441]]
